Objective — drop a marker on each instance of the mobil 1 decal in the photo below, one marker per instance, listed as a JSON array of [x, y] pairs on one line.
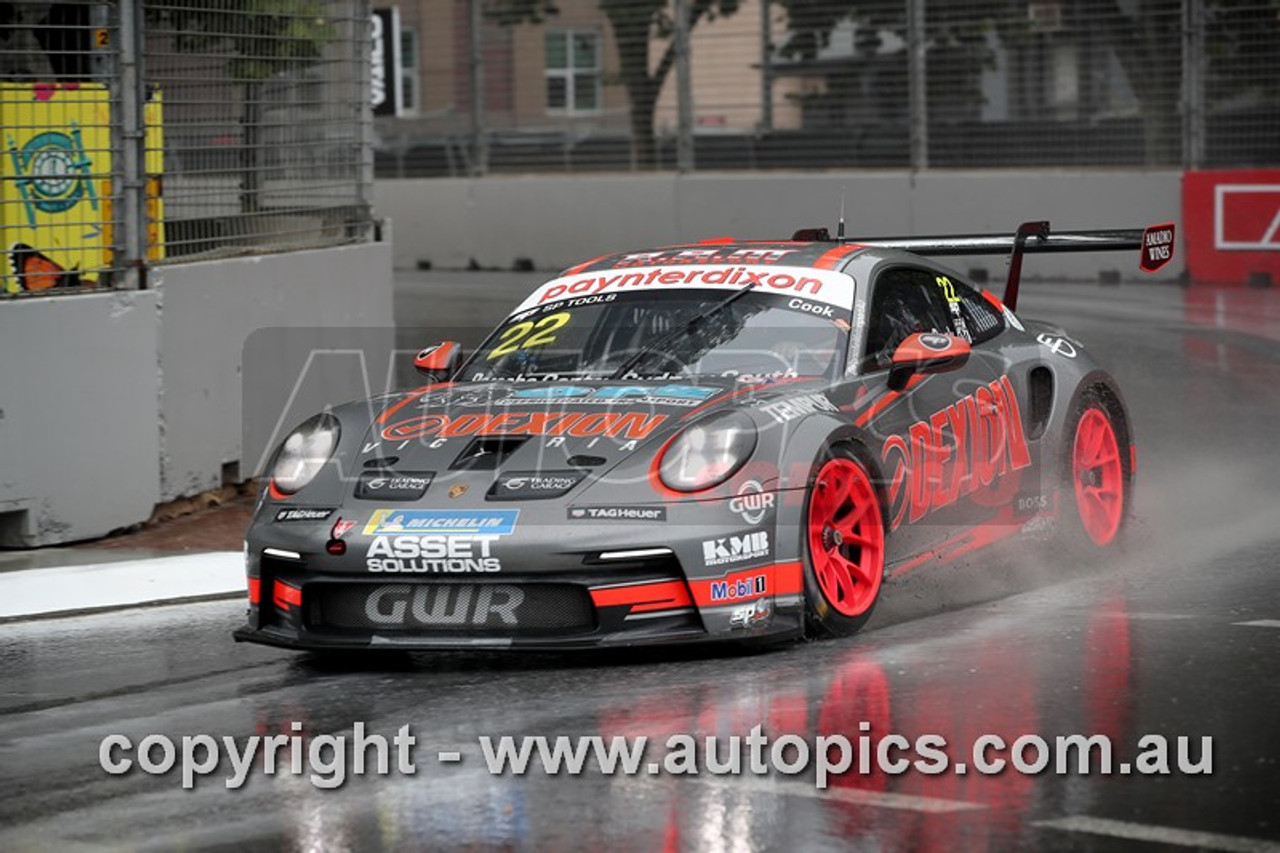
[[970, 446]]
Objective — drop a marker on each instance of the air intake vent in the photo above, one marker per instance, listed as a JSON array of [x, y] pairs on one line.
[[1041, 382], [487, 452]]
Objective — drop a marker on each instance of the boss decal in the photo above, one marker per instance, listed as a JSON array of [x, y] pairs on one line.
[[735, 549], [955, 451], [629, 425]]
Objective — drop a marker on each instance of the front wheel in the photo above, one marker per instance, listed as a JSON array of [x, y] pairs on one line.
[[843, 545]]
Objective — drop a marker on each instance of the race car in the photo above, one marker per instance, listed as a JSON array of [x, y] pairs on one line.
[[725, 440]]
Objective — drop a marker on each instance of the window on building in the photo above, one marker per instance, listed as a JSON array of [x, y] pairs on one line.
[[573, 71], [409, 69]]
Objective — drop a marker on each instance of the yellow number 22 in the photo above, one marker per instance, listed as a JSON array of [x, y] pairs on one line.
[[519, 337]]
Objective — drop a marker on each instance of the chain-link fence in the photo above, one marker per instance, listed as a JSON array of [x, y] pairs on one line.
[[60, 198], [140, 132], [580, 85]]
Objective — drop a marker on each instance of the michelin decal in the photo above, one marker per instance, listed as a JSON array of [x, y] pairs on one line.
[[436, 541]]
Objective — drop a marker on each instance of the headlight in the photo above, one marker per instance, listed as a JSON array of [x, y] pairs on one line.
[[707, 453], [304, 453]]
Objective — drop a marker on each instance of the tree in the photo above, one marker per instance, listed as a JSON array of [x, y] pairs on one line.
[[634, 24], [261, 39], [956, 36]]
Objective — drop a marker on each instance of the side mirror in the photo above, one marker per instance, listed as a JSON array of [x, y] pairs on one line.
[[439, 362], [926, 352]]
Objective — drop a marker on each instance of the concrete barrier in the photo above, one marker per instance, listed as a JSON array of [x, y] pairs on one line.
[[113, 402], [557, 221]]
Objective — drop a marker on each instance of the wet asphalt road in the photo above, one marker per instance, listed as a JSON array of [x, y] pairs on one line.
[[1010, 643]]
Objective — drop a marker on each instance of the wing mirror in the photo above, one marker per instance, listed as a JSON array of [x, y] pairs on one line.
[[926, 352], [439, 362]]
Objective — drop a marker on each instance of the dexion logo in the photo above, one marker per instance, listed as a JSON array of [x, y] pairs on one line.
[[735, 549], [955, 451], [629, 425]]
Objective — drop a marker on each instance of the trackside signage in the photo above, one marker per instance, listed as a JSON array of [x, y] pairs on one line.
[[826, 286], [1231, 225]]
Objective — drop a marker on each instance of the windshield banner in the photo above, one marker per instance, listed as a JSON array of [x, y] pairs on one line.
[[826, 286]]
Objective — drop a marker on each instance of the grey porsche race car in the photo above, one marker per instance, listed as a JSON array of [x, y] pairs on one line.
[[716, 441]]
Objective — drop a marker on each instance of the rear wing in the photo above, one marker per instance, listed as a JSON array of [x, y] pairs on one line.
[[1155, 243]]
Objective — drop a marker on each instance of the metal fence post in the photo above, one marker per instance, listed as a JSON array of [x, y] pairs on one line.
[[917, 99], [684, 90], [766, 69], [479, 141], [129, 145], [1193, 76], [364, 109]]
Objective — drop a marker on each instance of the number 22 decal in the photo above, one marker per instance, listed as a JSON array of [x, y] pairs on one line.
[[948, 289], [519, 337]]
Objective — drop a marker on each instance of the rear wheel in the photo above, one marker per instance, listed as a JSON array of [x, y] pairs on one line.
[[1097, 472], [843, 544]]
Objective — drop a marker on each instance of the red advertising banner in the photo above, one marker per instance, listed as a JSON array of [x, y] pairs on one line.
[[1232, 225]]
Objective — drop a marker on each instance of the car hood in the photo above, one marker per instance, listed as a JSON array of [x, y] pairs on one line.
[[504, 426]]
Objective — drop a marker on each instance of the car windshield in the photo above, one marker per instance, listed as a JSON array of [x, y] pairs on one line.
[[760, 335]]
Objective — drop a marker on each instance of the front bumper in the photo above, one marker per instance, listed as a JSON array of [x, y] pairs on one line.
[[612, 586]]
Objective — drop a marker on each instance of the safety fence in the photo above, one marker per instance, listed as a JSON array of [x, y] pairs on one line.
[[141, 132], [485, 86]]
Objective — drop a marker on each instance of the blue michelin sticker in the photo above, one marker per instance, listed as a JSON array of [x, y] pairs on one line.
[[491, 522]]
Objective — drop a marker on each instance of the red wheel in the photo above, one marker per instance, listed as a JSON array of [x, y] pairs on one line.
[[844, 543], [1098, 477]]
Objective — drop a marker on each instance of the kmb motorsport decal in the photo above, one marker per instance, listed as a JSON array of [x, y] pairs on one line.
[[735, 549]]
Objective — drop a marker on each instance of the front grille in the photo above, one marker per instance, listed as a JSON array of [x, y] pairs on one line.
[[451, 607]]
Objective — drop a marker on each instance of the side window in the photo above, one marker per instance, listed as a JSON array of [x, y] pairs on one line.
[[905, 301], [977, 317]]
